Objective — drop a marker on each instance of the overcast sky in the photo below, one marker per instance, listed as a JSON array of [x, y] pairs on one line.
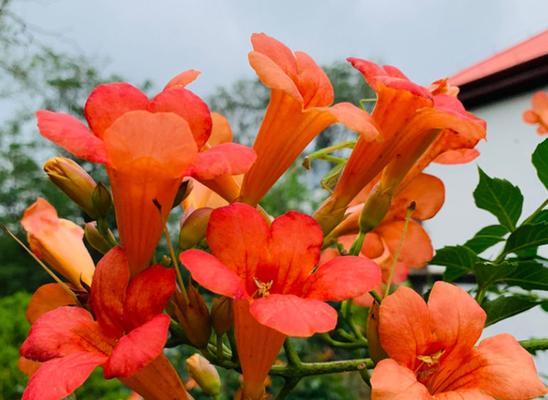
[[156, 39]]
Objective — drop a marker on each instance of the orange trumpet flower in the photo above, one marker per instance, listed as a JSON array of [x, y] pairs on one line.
[[418, 125], [432, 353], [147, 146], [300, 108], [59, 242], [538, 114]]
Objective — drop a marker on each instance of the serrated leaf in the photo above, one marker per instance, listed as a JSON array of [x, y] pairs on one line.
[[500, 198], [507, 306], [526, 237], [458, 260], [486, 237], [529, 276], [540, 161], [488, 274]]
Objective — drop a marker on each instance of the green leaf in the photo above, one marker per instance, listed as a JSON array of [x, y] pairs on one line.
[[529, 276], [458, 260], [486, 237], [500, 198], [507, 306], [488, 274], [542, 216], [526, 237], [540, 161]]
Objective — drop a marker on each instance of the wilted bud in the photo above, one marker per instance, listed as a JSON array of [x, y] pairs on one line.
[[184, 190], [102, 201], [205, 374], [193, 317], [375, 209], [194, 227], [96, 240], [73, 180], [376, 351], [221, 315]]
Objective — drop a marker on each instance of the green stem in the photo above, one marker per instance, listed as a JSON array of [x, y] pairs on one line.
[[321, 368], [289, 385], [536, 212], [357, 245], [535, 344], [291, 354], [343, 345]]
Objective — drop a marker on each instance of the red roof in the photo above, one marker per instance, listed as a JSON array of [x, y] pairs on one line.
[[534, 47]]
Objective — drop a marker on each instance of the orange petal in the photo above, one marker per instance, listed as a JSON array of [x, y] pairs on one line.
[[148, 154], [202, 196], [275, 50], [220, 131], [28, 367], [183, 79], [313, 83], [428, 193], [417, 248], [391, 381], [404, 327], [46, 298], [273, 76], [58, 242], [222, 159]]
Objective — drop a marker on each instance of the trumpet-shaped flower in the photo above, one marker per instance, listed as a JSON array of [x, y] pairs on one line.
[[147, 147], [58, 242], [418, 125], [300, 108], [125, 334], [432, 353], [270, 272], [538, 114]]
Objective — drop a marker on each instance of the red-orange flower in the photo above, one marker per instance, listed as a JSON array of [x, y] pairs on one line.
[[125, 334], [300, 108], [147, 147], [59, 242], [538, 114], [418, 125], [269, 271], [432, 353]]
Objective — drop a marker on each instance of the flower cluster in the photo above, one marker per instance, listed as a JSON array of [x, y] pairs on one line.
[[268, 278]]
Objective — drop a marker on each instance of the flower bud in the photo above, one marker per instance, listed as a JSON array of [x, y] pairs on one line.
[[194, 228], [102, 201], [96, 240], [375, 209], [73, 181], [221, 315], [205, 374], [193, 317], [376, 351]]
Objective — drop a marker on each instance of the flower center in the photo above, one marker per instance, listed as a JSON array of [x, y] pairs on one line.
[[262, 288], [429, 365]]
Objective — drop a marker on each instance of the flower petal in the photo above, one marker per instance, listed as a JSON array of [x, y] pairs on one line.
[[210, 273], [183, 79], [404, 326], [391, 381], [138, 348], [46, 298], [238, 236], [222, 159], [58, 378], [417, 248], [221, 132], [61, 332], [295, 246], [70, 134], [505, 364], [294, 316], [108, 291], [273, 76], [188, 106], [463, 394], [457, 318], [313, 82], [276, 51], [356, 119], [147, 295], [108, 102], [342, 278]]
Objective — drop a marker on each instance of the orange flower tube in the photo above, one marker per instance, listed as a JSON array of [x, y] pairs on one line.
[[58, 242], [299, 109]]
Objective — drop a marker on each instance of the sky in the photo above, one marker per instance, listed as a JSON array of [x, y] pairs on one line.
[[143, 39]]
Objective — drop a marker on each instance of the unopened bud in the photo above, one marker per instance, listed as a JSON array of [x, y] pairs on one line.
[[193, 317], [205, 374], [376, 351], [96, 240], [194, 227], [102, 201], [221, 315], [73, 181], [182, 193], [375, 209]]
